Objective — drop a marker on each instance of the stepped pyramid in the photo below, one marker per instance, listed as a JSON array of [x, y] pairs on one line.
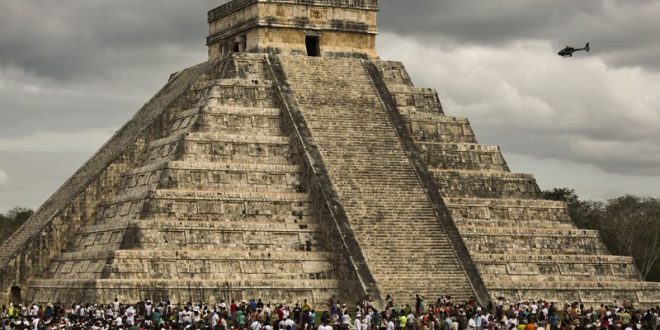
[[295, 164]]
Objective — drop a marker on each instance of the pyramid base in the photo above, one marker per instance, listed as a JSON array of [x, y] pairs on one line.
[[317, 292]]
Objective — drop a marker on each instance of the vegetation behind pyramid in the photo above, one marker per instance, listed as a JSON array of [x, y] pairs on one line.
[[295, 164]]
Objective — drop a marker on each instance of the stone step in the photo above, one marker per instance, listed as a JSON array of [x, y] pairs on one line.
[[158, 234], [184, 121], [507, 209], [182, 203], [551, 258], [558, 265], [183, 254], [369, 168], [426, 127], [486, 184], [493, 223], [246, 223], [587, 292], [264, 149], [531, 245], [393, 73], [214, 176], [462, 156], [415, 98], [273, 112], [230, 264], [240, 93], [471, 231], [231, 176], [259, 147], [542, 275], [105, 291], [216, 119]]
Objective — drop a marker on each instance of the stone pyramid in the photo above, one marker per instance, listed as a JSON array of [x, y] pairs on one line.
[[294, 164]]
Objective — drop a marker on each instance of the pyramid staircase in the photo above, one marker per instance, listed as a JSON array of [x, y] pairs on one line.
[[525, 247], [406, 247]]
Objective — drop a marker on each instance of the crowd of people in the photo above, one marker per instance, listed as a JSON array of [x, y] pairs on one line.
[[442, 314]]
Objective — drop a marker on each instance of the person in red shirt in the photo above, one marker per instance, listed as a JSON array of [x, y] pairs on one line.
[[233, 308]]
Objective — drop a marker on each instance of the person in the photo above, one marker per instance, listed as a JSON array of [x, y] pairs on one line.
[[472, 323], [297, 313], [390, 324], [240, 320], [531, 325], [418, 305], [312, 318], [402, 321], [448, 322]]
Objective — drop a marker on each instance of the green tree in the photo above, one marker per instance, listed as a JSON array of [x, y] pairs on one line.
[[585, 214], [13, 220], [631, 226]]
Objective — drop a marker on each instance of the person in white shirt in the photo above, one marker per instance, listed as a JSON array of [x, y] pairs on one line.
[[345, 320], [215, 318], [255, 325], [357, 325], [130, 316], [147, 308], [267, 312], [390, 325], [472, 323], [35, 310], [119, 322], [288, 323]]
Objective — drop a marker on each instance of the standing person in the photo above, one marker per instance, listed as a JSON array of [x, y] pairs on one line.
[[255, 325], [390, 324], [419, 304], [130, 316], [233, 308], [472, 323], [297, 314], [267, 313], [402, 321], [312, 319]]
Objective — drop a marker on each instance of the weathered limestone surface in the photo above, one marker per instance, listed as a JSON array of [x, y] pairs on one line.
[[29, 251], [217, 207], [345, 27], [406, 247], [524, 247], [265, 174]]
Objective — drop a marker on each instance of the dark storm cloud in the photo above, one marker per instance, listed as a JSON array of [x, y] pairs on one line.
[[76, 70], [70, 39], [623, 32]]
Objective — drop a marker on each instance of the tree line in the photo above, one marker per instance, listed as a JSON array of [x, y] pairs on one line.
[[12, 220], [629, 225]]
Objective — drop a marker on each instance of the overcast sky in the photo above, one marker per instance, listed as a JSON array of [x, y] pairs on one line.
[[73, 71]]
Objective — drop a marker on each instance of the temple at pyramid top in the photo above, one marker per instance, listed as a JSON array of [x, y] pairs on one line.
[[328, 28]]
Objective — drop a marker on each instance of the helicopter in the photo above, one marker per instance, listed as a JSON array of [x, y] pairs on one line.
[[568, 51]]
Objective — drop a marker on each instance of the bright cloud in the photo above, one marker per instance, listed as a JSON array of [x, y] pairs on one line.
[[3, 177], [89, 140], [531, 101]]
